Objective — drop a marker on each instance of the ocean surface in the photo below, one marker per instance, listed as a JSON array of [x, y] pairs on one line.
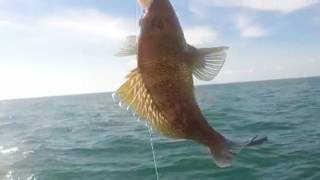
[[89, 137]]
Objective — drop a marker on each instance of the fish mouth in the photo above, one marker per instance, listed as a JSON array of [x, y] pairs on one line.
[[154, 8], [145, 4]]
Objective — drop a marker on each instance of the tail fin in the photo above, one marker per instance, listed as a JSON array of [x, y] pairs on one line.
[[224, 154]]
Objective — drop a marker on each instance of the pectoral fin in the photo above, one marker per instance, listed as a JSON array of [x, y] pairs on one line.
[[209, 62], [130, 47]]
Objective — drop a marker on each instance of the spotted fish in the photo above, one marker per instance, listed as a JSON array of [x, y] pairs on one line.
[[161, 89]]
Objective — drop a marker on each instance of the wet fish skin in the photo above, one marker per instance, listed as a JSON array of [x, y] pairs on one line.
[[161, 90], [164, 62]]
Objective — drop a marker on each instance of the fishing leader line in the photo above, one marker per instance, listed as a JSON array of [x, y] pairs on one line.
[[138, 16]]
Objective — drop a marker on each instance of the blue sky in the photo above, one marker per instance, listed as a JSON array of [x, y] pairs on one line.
[[66, 46]]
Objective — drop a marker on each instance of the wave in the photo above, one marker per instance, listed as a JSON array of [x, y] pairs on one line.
[[8, 150]]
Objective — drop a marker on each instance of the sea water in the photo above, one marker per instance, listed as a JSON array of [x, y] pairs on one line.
[[88, 137]]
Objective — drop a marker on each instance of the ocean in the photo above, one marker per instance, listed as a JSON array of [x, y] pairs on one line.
[[89, 137]]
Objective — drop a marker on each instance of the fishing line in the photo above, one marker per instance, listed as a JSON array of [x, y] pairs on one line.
[[153, 152], [138, 16]]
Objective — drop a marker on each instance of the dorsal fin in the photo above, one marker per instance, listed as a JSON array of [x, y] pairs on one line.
[[209, 62], [130, 47]]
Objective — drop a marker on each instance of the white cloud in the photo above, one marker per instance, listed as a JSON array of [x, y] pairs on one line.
[[198, 9], [252, 63], [4, 23], [200, 35], [67, 53], [22, 81], [92, 22], [313, 61], [285, 6], [248, 28]]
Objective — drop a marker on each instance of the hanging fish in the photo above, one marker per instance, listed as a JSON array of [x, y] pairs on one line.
[[161, 89]]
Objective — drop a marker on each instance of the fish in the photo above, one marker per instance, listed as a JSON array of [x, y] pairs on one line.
[[145, 4], [161, 89]]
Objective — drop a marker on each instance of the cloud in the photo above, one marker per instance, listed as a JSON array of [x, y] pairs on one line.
[[4, 23], [92, 22], [197, 9], [200, 35], [248, 28], [81, 43], [285, 6], [314, 61], [29, 81]]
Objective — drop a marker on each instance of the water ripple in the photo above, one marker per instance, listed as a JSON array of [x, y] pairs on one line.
[[88, 137]]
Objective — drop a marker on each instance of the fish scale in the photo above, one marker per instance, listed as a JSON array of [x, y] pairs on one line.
[[163, 89]]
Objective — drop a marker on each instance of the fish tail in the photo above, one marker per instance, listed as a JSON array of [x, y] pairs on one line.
[[222, 156], [225, 151]]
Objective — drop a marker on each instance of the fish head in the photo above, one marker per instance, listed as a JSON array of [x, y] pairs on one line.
[[145, 4], [160, 16]]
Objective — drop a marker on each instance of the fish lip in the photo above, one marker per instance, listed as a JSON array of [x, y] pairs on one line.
[[153, 10], [147, 13], [145, 5]]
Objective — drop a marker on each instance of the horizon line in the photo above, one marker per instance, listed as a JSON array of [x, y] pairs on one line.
[[211, 84]]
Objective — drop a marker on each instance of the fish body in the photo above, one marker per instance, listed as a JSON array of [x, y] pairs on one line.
[[145, 4], [164, 63], [161, 89]]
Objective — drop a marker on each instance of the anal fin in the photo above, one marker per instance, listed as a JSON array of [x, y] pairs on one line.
[[136, 96]]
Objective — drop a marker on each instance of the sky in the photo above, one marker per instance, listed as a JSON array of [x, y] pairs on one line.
[[60, 47]]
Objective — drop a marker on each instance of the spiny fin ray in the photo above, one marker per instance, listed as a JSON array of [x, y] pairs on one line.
[[209, 63], [134, 94]]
